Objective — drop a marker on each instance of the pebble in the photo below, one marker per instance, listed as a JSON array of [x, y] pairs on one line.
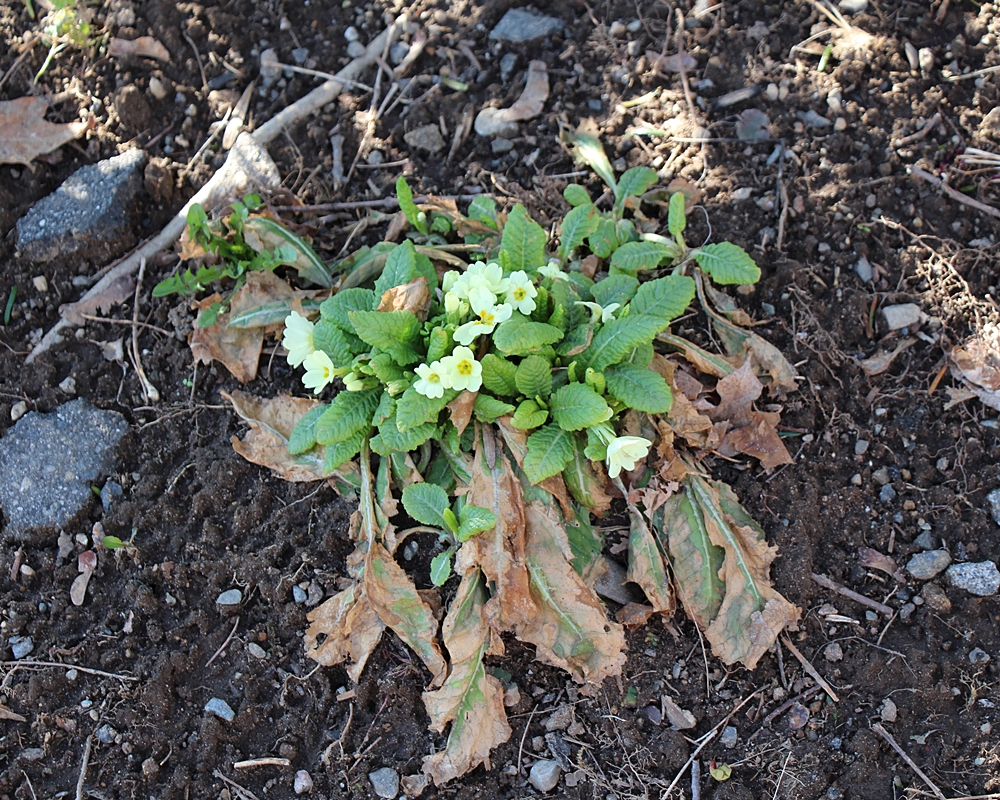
[[904, 315], [21, 646], [230, 597], [110, 492], [912, 56], [314, 594], [812, 119], [157, 88], [426, 137], [150, 767], [398, 53], [300, 54], [980, 578], [410, 550], [840, 124], [221, 709], [772, 92], [634, 26], [887, 494], [352, 34], [617, 29], [861, 447], [881, 476], [544, 775], [888, 712], [256, 650], [303, 782], [105, 734], [499, 146], [33, 754], [907, 611], [853, 6], [269, 75], [730, 736], [929, 564], [18, 410], [993, 498], [856, 479], [507, 66], [520, 25], [298, 594], [833, 652], [798, 716], [864, 269], [743, 193], [560, 719], [978, 656], [385, 782], [68, 385], [40, 283], [925, 57], [926, 541], [355, 49]]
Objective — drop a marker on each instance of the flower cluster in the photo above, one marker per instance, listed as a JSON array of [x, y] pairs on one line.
[[478, 290], [458, 371], [298, 341]]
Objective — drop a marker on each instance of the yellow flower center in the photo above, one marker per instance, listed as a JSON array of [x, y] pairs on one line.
[[519, 293], [433, 378], [486, 318], [464, 368]]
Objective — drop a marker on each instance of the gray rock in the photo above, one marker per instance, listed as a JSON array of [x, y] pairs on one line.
[[887, 494], [21, 646], [935, 598], [545, 774], [499, 146], [355, 49], [110, 492], [926, 541], [298, 594], [493, 122], [89, 216], [853, 6], [907, 611], [927, 565], [300, 54], [230, 597], [221, 709], [613, 585], [33, 754], [903, 315], [730, 736], [303, 782], [105, 734], [813, 120], [385, 782], [507, 66], [981, 578], [426, 137], [398, 53], [993, 498], [864, 269], [861, 447], [978, 656], [269, 75], [256, 651], [352, 34], [833, 652], [888, 712], [520, 25], [48, 463]]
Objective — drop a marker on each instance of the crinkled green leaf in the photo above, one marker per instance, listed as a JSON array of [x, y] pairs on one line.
[[576, 340], [488, 409], [385, 369], [386, 408], [404, 194], [294, 250], [576, 195], [400, 268], [576, 407], [639, 388], [633, 257], [665, 298], [727, 263], [426, 503], [616, 339], [348, 413], [303, 436], [438, 345], [336, 308], [576, 226], [634, 182], [677, 216], [549, 450], [588, 148], [534, 377], [483, 209], [523, 240], [473, 520], [614, 289], [604, 240], [499, 375], [441, 567], [413, 408], [390, 438], [339, 453], [341, 346], [529, 415], [396, 332], [585, 485], [519, 336]]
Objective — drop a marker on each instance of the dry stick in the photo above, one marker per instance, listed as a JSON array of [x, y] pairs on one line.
[[85, 670], [954, 194], [696, 780], [150, 392], [197, 56], [110, 321], [222, 646], [913, 138], [809, 668], [241, 791], [315, 100], [833, 586], [262, 762], [86, 762], [902, 754]]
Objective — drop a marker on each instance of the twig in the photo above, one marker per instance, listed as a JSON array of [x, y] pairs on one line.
[[110, 321], [315, 73], [788, 704], [810, 669], [833, 586], [777, 786], [262, 762], [325, 760], [976, 74], [197, 56], [877, 727], [696, 780], [954, 194], [520, 748], [30, 787], [222, 646], [386, 202], [240, 791], [85, 670], [150, 392], [85, 763], [221, 126], [17, 62], [913, 138]]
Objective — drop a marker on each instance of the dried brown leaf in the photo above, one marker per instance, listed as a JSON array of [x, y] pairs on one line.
[[344, 628], [119, 291], [571, 629], [634, 615], [461, 410], [665, 64], [517, 441], [143, 47], [7, 714], [765, 357], [471, 699], [414, 296], [25, 134], [758, 438], [873, 559], [646, 567], [976, 362], [881, 361]]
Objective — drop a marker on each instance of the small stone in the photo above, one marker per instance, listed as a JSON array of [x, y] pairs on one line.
[[856, 479], [864, 269], [40, 283], [150, 768], [230, 597], [269, 75], [912, 56], [887, 494], [414, 785], [256, 651], [544, 775], [385, 782], [993, 498], [221, 709], [560, 719], [398, 53], [881, 476], [743, 193], [303, 782], [812, 120], [798, 716], [21, 646], [978, 656], [980, 578], [926, 541], [426, 137], [33, 754], [888, 711], [840, 124], [110, 492], [18, 410], [594, 104], [314, 594], [925, 57], [935, 598], [375, 157], [634, 26], [853, 6], [298, 594], [833, 652], [158, 88], [352, 34], [499, 146], [904, 315], [68, 385], [772, 92], [730, 736], [300, 54], [356, 49], [861, 447], [654, 714], [507, 66], [519, 25], [617, 29], [907, 611], [929, 564], [105, 734], [823, 248]]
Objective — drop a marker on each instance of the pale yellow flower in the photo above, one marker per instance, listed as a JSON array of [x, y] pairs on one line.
[[430, 380], [298, 338], [353, 382], [461, 371], [521, 292], [319, 371], [599, 313], [551, 270], [624, 452], [488, 317]]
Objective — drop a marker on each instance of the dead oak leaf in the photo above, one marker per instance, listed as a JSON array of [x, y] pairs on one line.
[[25, 134]]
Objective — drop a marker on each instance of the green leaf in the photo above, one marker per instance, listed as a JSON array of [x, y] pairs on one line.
[[385, 369], [499, 375], [588, 149], [392, 331], [290, 249], [348, 413], [336, 308], [339, 453], [268, 314], [676, 216], [519, 336], [534, 377], [576, 406], [413, 408], [641, 355], [576, 341], [400, 268], [645, 564], [438, 345], [585, 541], [523, 240], [583, 482], [665, 298], [385, 409], [390, 438], [576, 195], [604, 239], [634, 182], [484, 209], [303, 437], [426, 503], [576, 226], [549, 450], [473, 520], [615, 340], [632, 257], [441, 567], [488, 409], [405, 197], [340, 346], [727, 263], [639, 388], [614, 289], [529, 415]]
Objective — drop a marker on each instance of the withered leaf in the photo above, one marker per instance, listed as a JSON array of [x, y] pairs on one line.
[[671, 63], [571, 629], [119, 291], [645, 565], [414, 296], [882, 360], [143, 47], [461, 410], [870, 558], [7, 714], [344, 628], [765, 357], [25, 134], [976, 362], [471, 699]]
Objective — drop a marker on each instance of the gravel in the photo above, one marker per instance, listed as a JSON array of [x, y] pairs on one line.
[[21, 646], [544, 775], [520, 25], [927, 565], [730, 736], [221, 709], [993, 498], [981, 578], [230, 597], [385, 782], [833, 652]]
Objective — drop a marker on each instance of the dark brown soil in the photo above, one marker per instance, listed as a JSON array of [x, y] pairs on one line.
[[206, 521]]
